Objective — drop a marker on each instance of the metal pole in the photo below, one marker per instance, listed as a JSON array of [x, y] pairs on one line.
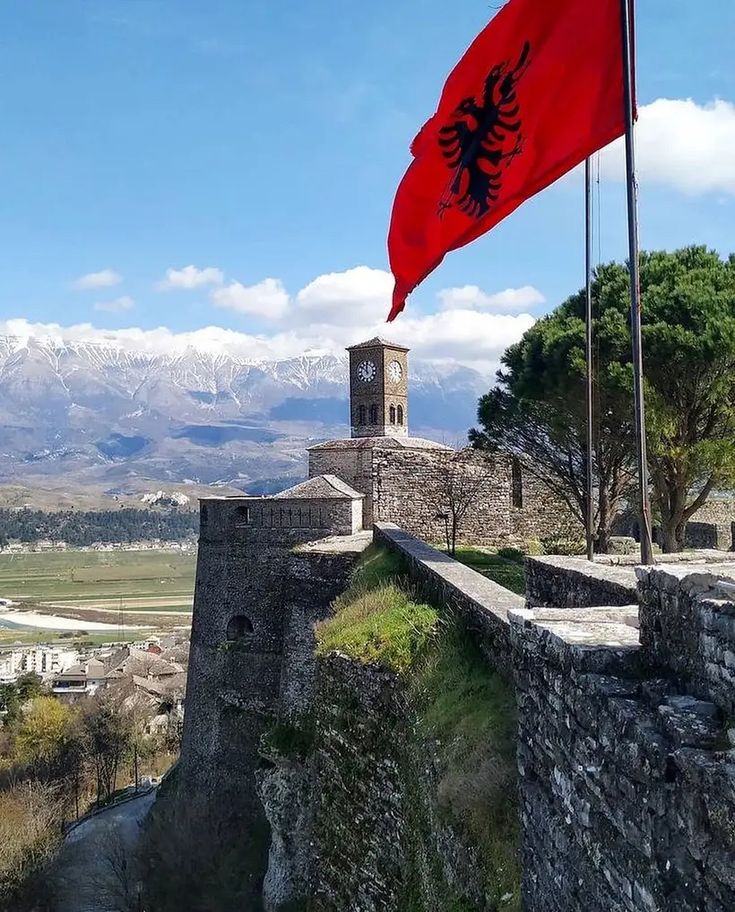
[[588, 352], [626, 7]]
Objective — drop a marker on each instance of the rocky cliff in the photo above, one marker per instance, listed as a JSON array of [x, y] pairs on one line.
[[396, 792]]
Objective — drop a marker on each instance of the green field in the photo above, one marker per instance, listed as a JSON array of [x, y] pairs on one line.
[[99, 586]]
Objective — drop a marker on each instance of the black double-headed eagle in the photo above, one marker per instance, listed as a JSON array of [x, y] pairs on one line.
[[475, 143]]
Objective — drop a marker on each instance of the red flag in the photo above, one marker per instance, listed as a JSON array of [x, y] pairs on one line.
[[538, 90]]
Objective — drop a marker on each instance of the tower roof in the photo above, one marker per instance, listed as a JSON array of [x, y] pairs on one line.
[[380, 443], [375, 342], [321, 487]]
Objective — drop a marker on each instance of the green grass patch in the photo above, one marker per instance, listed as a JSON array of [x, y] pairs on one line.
[[58, 582], [376, 620], [469, 711], [46, 576], [458, 707], [381, 625], [505, 568]]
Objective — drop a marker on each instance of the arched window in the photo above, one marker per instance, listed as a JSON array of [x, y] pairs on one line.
[[373, 414], [361, 414], [239, 627], [392, 413], [400, 415]]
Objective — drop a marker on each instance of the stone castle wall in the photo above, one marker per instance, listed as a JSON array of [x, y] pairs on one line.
[[566, 582], [626, 796], [259, 590], [627, 780], [355, 466], [712, 526], [408, 487]]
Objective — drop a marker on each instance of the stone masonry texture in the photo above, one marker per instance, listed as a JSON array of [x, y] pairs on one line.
[[406, 485], [260, 587], [627, 776], [627, 792], [572, 582]]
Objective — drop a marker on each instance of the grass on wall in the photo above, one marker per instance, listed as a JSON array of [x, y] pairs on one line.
[[459, 705], [469, 712], [376, 620]]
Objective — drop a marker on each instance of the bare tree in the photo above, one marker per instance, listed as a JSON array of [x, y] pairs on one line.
[[466, 478]]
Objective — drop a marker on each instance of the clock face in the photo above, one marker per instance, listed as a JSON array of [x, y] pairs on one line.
[[366, 371], [395, 371]]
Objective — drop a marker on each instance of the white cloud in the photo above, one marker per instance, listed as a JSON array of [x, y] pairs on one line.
[[470, 297], [268, 300], [117, 305], [331, 312], [105, 278], [348, 298], [681, 144], [190, 277]]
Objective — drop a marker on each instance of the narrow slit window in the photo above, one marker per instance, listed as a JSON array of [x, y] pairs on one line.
[[392, 414], [373, 414], [361, 414], [399, 411], [517, 484]]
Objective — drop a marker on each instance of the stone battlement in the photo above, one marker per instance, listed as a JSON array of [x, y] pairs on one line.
[[626, 773]]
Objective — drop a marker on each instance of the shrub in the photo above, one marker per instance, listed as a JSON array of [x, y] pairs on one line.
[[564, 546], [512, 554], [30, 818]]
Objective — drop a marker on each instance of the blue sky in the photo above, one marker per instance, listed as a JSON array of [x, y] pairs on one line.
[[265, 141]]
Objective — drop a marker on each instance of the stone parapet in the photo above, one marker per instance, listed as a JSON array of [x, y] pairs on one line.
[[573, 582], [627, 794], [483, 604], [687, 619]]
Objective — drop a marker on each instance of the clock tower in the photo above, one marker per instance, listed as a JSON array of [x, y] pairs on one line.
[[378, 389]]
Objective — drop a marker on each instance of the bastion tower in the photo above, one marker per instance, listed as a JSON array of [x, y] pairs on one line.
[[268, 568]]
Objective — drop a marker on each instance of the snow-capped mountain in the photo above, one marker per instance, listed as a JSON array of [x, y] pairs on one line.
[[110, 414]]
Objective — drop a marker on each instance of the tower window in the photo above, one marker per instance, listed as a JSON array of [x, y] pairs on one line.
[[516, 483], [243, 515], [392, 413], [373, 414], [361, 414], [400, 415], [239, 627]]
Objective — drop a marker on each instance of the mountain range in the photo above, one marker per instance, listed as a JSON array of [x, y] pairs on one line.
[[126, 420]]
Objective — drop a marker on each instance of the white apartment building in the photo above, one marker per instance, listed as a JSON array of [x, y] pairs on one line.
[[45, 661]]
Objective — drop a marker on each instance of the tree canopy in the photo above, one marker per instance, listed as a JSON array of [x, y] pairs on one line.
[[537, 410]]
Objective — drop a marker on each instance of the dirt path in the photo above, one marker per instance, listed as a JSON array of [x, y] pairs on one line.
[[97, 871]]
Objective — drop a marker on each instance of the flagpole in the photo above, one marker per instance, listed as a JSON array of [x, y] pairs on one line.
[[627, 12], [588, 352]]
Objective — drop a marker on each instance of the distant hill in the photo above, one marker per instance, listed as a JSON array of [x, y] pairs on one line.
[[82, 528], [100, 416]]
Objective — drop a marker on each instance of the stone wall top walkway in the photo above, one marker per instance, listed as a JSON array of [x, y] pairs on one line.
[[603, 639], [484, 604]]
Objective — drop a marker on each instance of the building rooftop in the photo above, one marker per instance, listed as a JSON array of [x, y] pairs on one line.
[[375, 342], [321, 486], [383, 443]]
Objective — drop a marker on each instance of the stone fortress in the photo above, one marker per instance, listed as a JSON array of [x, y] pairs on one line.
[[625, 687], [402, 477]]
